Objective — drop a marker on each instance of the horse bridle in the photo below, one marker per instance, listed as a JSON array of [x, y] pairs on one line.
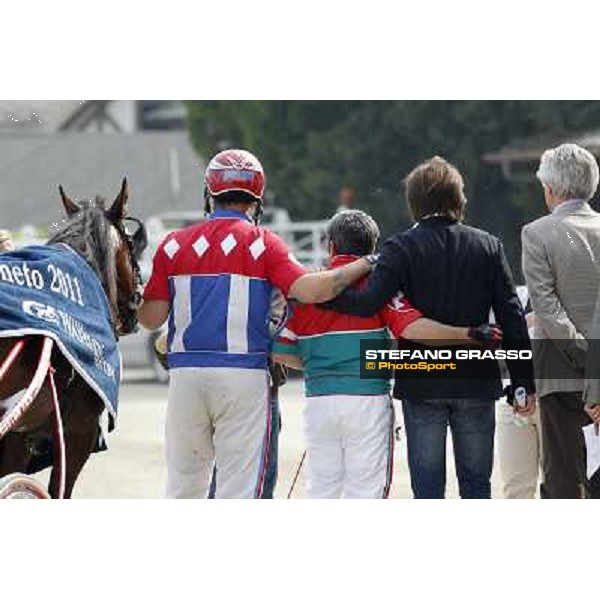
[[135, 243]]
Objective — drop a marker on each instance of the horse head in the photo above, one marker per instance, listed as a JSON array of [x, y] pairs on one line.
[[112, 243]]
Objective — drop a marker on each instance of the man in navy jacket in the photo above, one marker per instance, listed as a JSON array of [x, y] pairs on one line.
[[454, 274]]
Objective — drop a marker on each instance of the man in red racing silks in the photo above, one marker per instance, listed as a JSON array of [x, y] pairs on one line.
[[214, 282]]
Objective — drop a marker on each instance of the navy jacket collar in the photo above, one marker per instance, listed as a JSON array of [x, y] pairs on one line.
[[436, 220]]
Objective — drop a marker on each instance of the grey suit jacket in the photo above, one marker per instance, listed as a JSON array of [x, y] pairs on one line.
[[561, 263], [591, 390]]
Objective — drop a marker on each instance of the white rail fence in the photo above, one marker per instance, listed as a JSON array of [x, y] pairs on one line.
[[306, 239]]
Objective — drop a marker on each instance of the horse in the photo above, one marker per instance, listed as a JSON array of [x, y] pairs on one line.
[[103, 238]]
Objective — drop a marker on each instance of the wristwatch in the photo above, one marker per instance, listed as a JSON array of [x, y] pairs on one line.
[[372, 259], [521, 396]]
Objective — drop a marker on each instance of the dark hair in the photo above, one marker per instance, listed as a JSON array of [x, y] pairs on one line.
[[234, 197], [435, 187], [353, 232]]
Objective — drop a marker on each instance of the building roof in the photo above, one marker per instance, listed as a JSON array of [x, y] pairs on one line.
[[36, 115], [162, 169], [531, 149]]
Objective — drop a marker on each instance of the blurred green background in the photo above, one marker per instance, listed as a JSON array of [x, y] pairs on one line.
[[310, 149]]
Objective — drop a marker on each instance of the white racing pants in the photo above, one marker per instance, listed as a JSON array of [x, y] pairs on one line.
[[349, 443], [217, 415]]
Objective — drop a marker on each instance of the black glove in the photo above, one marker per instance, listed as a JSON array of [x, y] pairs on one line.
[[488, 335], [160, 351], [278, 373]]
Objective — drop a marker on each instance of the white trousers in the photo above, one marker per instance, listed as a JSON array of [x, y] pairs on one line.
[[349, 444], [519, 443], [217, 415]]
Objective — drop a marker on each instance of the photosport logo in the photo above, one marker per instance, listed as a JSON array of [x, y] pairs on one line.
[[379, 361]]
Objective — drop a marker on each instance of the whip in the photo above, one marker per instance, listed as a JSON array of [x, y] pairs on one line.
[[296, 475]]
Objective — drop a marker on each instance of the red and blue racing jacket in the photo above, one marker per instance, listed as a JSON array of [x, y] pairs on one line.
[[219, 277]]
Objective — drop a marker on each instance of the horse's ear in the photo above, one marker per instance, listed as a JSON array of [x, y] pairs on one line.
[[70, 207], [118, 210]]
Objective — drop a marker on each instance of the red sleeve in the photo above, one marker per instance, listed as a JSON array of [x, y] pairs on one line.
[[398, 314], [157, 287], [281, 266]]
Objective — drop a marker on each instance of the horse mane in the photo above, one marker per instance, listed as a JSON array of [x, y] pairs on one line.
[[90, 234]]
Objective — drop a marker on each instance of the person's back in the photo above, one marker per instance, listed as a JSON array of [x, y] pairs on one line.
[[456, 274], [328, 343], [561, 253], [571, 238], [452, 269], [220, 278]]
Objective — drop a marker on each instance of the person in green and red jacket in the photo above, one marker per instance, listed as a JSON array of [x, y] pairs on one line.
[[349, 420]]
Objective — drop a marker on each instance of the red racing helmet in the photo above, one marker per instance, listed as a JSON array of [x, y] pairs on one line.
[[235, 171]]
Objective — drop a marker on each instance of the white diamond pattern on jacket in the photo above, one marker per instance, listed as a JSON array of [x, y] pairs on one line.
[[228, 244], [257, 247], [200, 246], [171, 248]]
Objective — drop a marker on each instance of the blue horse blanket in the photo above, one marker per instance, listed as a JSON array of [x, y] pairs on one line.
[[52, 291]]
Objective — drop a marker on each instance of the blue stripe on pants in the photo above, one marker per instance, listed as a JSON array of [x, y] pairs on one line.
[[273, 455]]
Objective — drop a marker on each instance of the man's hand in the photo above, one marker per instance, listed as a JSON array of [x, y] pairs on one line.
[[160, 350], [278, 373], [593, 411], [526, 409], [487, 335]]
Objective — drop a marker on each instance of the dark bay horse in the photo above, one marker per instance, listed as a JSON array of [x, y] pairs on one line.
[[103, 237]]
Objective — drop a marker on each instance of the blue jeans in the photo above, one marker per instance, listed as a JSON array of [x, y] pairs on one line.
[[472, 423], [271, 474]]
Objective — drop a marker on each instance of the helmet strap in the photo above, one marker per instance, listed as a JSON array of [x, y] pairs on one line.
[[258, 211], [207, 206]]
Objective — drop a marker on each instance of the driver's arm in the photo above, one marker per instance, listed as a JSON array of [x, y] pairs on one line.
[[153, 313], [409, 323], [433, 333], [284, 272], [322, 286]]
